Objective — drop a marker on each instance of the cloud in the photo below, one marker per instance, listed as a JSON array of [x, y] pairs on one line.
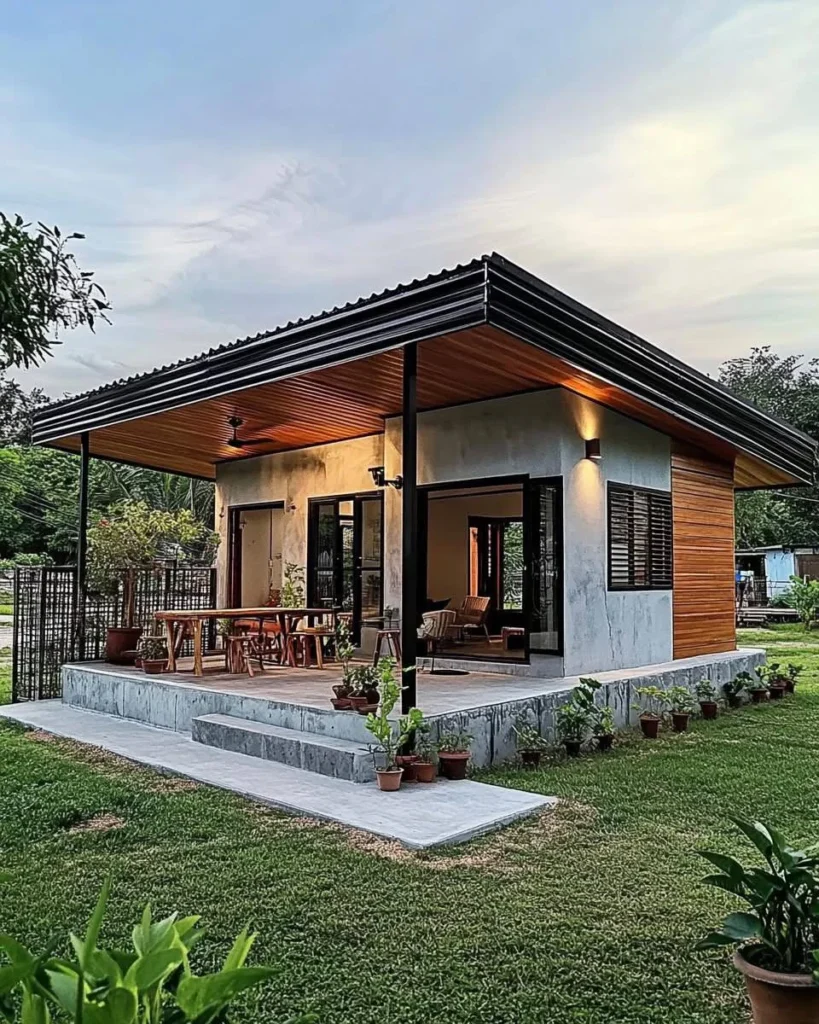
[[677, 196]]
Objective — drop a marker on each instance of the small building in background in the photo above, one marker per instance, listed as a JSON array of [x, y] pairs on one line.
[[764, 573]]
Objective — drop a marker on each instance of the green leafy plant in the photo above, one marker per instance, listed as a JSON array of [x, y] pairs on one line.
[[292, 585], [734, 688], [573, 722], [389, 737], [363, 680], [654, 701], [528, 737], [804, 595], [754, 683], [705, 691], [794, 671], [224, 627], [678, 699], [454, 743], [782, 922], [424, 746], [151, 983], [604, 722], [153, 648], [344, 652]]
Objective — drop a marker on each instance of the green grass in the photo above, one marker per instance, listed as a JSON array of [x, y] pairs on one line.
[[5, 675], [584, 916]]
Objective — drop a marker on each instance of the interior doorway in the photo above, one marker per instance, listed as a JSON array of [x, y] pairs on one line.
[[255, 555], [345, 556]]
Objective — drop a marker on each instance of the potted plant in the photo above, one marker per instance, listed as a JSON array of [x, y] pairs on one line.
[[757, 688], [344, 652], [680, 703], [425, 765], [453, 754], [153, 652], [778, 935], [363, 681], [735, 687], [409, 727], [707, 697], [292, 595], [603, 728], [389, 740], [651, 711], [131, 540], [572, 722], [793, 673], [775, 679], [530, 743]]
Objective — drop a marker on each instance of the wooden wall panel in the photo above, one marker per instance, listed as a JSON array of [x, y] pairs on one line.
[[702, 495]]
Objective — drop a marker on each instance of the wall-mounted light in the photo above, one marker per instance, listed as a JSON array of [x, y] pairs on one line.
[[380, 480], [593, 449]]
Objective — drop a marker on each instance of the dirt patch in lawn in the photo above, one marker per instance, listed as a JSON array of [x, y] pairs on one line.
[[99, 823]]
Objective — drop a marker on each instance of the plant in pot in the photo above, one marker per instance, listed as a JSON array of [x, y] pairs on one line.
[[603, 728], [757, 687], [774, 678], [572, 720], [409, 726], [389, 739], [344, 652], [778, 935], [130, 541], [735, 687], [425, 765], [531, 745], [651, 710], [792, 674], [363, 680], [453, 754], [153, 652], [681, 706], [707, 696]]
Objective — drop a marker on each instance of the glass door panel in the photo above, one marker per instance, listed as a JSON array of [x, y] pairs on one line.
[[370, 570], [544, 591]]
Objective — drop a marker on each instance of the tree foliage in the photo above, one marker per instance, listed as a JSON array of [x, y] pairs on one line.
[[42, 291], [788, 387]]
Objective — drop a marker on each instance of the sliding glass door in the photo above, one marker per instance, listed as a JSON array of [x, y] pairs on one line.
[[543, 543]]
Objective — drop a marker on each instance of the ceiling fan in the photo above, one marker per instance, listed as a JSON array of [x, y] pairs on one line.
[[243, 442]]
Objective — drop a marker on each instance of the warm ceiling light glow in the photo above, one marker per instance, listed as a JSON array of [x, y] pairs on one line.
[[593, 449]]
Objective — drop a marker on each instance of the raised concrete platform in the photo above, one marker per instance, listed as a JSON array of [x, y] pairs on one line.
[[340, 759], [419, 816]]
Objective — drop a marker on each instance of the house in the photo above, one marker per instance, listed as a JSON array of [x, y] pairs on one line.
[[474, 433], [764, 573]]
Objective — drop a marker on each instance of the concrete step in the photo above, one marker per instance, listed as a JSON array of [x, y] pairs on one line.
[[326, 755]]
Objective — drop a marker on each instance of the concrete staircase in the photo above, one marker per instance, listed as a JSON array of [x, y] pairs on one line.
[[328, 755]]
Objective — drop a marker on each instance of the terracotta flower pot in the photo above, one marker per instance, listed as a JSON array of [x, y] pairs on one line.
[[120, 644], [389, 780], [708, 708], [777, 691], [734, 700], [650, 724], [366, 709], [424, 771], [154, 666], [531, 757], [758, 696], [453, 765], [572, 747], [606, 741], [408, 762], [680, 720], [357, 702], [779, 998], [341, 703]]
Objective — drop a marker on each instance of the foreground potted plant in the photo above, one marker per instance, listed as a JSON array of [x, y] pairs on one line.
[[453, 754], [363, 681], [707, 696], [389, 739], [792, 674], [680, 704], [530, 744], [603, 728], [775, 679], [425, 765], [153, 653], [757, 688], [344, 652], [778, 935], [651, 710]]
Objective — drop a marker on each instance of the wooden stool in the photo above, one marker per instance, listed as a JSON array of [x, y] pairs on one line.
[[298, 644], [393, 638]]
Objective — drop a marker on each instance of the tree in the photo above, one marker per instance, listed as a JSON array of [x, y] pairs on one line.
[[42, 291], [788, 387]]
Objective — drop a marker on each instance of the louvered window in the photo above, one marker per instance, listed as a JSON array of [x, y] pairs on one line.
[[640, 547]]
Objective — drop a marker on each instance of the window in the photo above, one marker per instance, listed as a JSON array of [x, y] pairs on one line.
[[640, 548]]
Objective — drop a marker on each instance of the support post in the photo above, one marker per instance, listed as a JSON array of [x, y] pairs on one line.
[[82, 545], [409, 552]]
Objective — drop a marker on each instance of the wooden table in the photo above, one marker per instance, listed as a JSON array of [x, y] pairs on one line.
[[179, 624]]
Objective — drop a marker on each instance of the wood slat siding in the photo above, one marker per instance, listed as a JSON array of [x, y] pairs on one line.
[[702, 497]]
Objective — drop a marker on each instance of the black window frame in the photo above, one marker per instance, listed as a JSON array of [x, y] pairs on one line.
[[667, 580]]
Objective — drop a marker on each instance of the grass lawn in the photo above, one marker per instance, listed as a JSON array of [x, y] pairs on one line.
[[5, 675], [586, 915]]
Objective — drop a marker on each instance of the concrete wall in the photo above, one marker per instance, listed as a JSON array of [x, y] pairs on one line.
[[539, 434], [448, 546]]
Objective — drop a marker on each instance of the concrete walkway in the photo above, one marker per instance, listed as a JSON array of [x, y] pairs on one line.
[[419, 816]]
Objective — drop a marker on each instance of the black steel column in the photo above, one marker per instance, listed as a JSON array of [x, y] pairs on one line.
[[409, 557], [82, 545]]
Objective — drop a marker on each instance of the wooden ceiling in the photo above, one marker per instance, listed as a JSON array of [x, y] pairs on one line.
[[352, 400]]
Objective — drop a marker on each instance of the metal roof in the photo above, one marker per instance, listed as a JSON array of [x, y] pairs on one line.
[[488, 290]]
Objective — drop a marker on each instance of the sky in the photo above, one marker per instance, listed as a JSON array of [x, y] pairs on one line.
[[235, 166]]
